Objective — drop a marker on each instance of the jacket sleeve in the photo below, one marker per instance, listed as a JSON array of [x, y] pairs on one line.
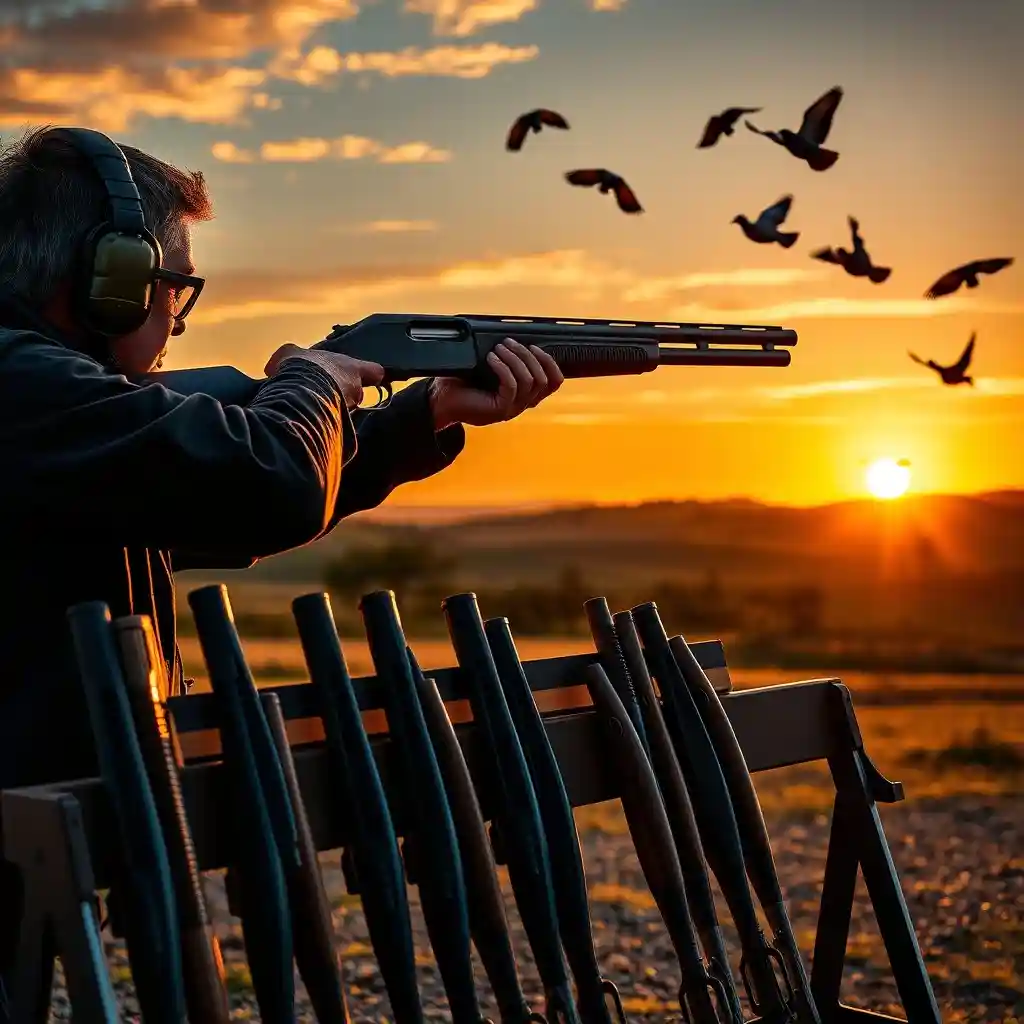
[[396, 445], [85, 450]]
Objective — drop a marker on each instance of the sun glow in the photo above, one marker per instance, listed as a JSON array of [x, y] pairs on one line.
[[888, 478]]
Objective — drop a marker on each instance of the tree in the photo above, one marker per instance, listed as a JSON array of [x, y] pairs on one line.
[[409, 568]]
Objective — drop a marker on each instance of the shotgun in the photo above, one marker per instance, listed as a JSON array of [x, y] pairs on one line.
[[435, 848], [411, 345], [488, 924], [757, 850], [517, 815], [715, 818], [369, 830], [312, 922], [613, 661], [679, 810], [652, 838], [145, 884], [567, 873], [145, 676], [262, 889]]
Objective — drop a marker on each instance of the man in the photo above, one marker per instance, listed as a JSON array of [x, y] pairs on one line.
[[110, 484]]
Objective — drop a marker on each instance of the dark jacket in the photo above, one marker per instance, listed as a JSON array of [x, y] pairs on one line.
[[107, 487]]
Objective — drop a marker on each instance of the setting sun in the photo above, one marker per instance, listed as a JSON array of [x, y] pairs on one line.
[[888, 478]]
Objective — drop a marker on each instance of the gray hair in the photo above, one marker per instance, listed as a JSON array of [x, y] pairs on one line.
[[50, 198]]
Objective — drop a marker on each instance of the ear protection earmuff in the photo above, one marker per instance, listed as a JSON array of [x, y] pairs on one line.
[[120, 257]]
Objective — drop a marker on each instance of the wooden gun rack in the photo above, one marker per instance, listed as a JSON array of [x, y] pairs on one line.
[[59, 840]]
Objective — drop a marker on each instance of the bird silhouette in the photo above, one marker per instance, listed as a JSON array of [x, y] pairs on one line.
[[806, 144], [532, 122], [967, 274], [766, 228], [955, 374], [856, 263], [723, 124], [607, 182]]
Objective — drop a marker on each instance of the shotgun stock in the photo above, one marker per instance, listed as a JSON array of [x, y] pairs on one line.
[[715, 817], [312, 922], [431, 835], [679, 811], [757, 850], [652, 839], [266, 923], [567, 873], [369, 830], [147, 893], [145, 676], [613, 661], [516, 812], [488, 924]]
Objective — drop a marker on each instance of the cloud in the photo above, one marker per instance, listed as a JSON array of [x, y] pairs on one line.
[[854, 385], [607, 5], [322, 63], [396, 226], [754, 277], [832, 307], [108, 64], [346, 147], [466, 17]]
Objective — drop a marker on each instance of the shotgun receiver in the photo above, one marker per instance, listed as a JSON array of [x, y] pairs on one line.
[[413, 345]]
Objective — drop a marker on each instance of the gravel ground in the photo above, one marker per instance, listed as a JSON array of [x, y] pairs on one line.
[[962, 865]]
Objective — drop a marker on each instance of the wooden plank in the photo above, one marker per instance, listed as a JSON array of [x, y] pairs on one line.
[[776, 726], [553, 680]]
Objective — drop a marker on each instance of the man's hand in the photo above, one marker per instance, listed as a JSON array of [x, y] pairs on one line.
[[526, 376], [352, 375]]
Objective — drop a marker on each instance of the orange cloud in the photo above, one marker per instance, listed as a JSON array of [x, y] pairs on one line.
[[607, 5], [323, 62], [466, 17], [346, 147], [397, 226]]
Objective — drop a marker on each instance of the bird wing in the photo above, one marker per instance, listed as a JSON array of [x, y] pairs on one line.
[[918, 359], [712, 133], [817, 122], [589, 176], [946, 285], [965, 359], [517, 133], [553, 119], [626, 198], [991, 266], [777, 213], [733, 114], [826, 255]]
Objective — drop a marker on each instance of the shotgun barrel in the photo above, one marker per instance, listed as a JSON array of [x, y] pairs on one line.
[[369, 829], [679, 810], [593, 992], [438, 866], [266, 919], [715, 817], [516, 812], [145, 676], [488, 923], [757, 850], [145, 883]]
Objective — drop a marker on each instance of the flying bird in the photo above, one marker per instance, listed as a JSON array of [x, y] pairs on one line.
[[955, 374], [856, 263], [607, 182], [766, 228], [806, 144], [532, 122], [723, 124], [967, 274]]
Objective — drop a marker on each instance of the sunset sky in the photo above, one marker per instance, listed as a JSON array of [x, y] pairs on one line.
[[355, 150]]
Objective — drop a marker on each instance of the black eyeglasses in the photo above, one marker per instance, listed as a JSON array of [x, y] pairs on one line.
[[184, 290]]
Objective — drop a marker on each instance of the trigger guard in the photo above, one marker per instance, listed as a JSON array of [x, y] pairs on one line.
[[385, 393]]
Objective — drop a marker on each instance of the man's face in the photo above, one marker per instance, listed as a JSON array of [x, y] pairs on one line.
[[143, 350]]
